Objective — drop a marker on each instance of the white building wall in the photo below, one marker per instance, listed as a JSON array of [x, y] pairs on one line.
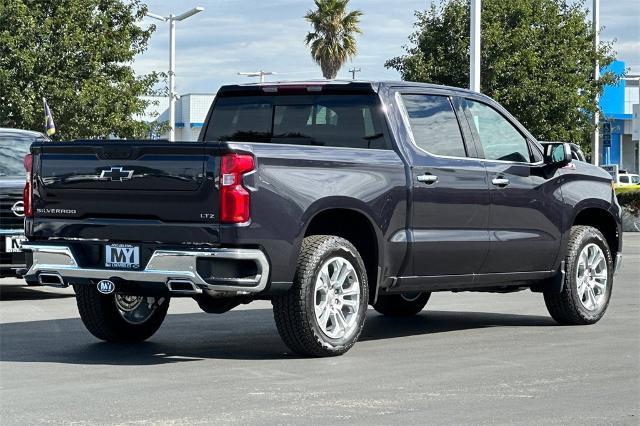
[[191, 113]]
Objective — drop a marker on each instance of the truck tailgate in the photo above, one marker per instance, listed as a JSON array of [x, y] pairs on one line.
[[124, 182]]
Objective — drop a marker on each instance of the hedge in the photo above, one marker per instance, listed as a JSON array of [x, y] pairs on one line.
[[629, 198]]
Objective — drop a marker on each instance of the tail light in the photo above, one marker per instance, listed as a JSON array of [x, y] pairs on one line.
[[27, 192], [234, 198]]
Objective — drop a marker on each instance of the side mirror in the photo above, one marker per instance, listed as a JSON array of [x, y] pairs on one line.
[[558, 154]]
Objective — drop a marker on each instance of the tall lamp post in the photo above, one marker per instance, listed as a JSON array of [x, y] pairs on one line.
[[474, 42], [595, 138], [260, 74], [172, 19]]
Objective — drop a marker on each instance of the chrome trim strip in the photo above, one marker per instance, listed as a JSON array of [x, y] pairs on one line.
[[164, 265], [17, 231]]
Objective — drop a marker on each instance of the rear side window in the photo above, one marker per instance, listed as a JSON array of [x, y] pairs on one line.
[[434, 125], [624, 179], [349, 121]]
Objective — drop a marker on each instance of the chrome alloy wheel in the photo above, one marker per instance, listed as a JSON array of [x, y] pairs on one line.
[[136, 309], [591, 277], [337, 298]]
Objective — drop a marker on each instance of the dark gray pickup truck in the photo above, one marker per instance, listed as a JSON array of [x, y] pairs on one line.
[[323, 198]]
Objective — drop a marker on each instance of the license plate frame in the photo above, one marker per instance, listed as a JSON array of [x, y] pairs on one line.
[[121, 256], [13, 243]]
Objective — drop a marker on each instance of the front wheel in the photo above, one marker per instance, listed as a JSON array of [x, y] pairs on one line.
[[401, 305], [323, 313], [588, 280], [118, 317]]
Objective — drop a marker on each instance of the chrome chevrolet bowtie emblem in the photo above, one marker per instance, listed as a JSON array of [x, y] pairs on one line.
[[18, 209], [117, 174]]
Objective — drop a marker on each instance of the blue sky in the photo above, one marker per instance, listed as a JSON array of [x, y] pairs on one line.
[[243, 35]]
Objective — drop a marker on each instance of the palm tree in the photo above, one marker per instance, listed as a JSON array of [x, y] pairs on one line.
[[332, 40]]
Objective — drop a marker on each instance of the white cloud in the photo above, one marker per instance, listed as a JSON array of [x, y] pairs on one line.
[[243, 35]]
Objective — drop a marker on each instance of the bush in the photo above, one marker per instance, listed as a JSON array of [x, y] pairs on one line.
[[629, 198]]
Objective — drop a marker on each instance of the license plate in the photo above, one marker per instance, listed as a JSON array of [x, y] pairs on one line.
[[122, 256], [13, 243]]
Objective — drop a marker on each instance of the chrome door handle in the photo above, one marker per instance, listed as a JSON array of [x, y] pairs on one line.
[[428, 179], [500, 181]]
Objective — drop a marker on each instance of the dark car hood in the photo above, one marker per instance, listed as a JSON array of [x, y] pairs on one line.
[[11, 184]]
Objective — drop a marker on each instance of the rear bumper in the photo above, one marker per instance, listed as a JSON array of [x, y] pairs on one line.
[[46, 262]]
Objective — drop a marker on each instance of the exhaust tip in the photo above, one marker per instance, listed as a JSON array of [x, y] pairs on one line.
[[51, 279], [183, 287]]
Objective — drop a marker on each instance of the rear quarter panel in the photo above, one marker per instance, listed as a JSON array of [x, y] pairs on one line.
[[293, 183]]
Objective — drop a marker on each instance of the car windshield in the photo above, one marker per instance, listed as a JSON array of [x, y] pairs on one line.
[[13, 148]]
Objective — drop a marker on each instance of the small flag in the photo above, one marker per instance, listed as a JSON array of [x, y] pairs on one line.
[[49, 126]]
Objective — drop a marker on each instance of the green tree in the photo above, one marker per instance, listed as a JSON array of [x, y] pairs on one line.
[[537, 60], [332, 40], [77, 54]]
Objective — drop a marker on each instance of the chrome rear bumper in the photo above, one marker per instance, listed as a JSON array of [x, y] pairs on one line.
[[164, 266]]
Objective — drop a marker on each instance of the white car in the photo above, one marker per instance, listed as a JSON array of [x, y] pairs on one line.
[[626, 179]]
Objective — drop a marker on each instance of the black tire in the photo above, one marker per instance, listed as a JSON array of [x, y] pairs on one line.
[[401, 305], [294, 312], [102, 318], [566, 306]]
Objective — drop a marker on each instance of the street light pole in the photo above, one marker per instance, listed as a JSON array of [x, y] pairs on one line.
[[172, 78], [595, 138], [171, 19], [260, 74], [474, 43]]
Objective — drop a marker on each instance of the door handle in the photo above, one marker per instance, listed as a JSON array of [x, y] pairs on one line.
[[428, 179], [500, 181]]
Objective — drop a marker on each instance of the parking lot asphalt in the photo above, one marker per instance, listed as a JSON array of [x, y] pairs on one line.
[[467, 358]]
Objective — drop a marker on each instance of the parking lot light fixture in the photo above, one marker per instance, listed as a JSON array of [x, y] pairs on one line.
[[171, 19]]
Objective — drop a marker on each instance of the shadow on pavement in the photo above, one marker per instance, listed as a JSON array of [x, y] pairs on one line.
[[11, 292], [244, 335]]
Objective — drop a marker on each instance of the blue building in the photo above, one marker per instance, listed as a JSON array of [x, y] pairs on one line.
[[619, 131]]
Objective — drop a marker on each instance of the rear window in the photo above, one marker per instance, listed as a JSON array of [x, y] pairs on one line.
[[348, 121]]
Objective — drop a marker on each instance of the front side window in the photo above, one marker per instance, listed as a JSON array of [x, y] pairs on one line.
[[624, 179], [351, 121], [498, 138], [434, 125]]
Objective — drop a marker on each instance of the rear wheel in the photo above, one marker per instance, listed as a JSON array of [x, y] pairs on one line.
[[588, 280], [118, 317], [401, 305], [323, 313]]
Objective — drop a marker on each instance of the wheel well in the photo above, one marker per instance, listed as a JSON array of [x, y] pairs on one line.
[[357, 229], [602, 221]]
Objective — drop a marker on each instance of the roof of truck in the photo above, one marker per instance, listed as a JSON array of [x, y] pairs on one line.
[[374, 85], [21, 132]]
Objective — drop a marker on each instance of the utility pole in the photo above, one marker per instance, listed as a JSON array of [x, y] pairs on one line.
[[353, 72], [474, 43], [171, 19], [260, 74], [595, 138]]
